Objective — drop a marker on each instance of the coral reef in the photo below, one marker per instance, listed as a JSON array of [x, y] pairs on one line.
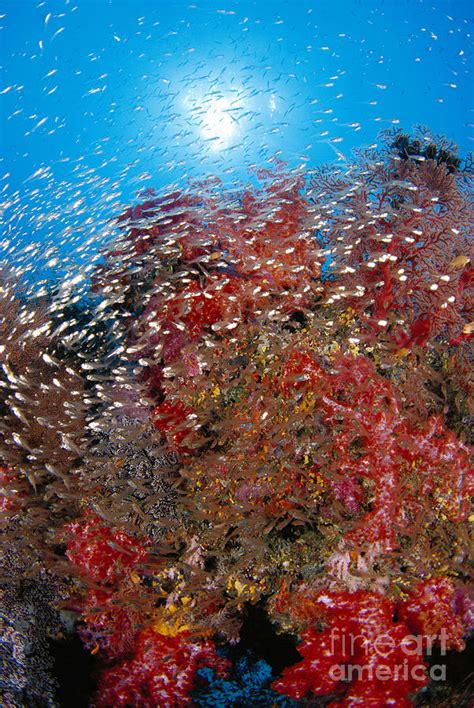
[[268, 405]]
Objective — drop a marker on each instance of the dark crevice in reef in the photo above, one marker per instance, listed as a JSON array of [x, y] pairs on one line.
[[455, 687], [74, 671], [259, 635]]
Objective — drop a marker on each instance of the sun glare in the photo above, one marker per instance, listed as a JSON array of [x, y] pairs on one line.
[[218, 126]]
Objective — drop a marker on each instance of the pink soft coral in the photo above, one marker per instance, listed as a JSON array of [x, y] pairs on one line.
[[372, 441]]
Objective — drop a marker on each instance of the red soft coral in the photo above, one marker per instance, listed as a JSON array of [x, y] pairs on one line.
[[102, 553], [109, 623], [13, 489], [162, 672], [442, 463], [361, 642], [171, 420], [107, 559], [431, 611], [371, 441]]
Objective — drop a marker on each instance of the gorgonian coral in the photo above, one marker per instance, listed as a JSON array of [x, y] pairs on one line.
[[398, 234]]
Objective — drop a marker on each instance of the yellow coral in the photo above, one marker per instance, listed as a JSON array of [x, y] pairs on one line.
[[169, 628], [245, 591]]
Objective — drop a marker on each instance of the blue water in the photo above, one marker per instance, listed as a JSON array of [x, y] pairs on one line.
[[102, 99]]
